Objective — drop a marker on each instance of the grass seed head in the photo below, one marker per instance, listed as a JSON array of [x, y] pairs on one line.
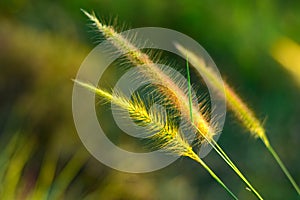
[[167, 136], [151, 71], [240, 109]]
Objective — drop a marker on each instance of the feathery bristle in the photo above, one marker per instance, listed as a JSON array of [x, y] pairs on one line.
[[150, 70], [234, 102], [243, 113], [167, 136]]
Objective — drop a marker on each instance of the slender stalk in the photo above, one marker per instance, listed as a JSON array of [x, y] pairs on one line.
[[233, 166], [224, 156], [172, 140], [243, 113], [191, 115], [189, 88], [150, 70], [215, 145], [215, 177], [283, 168]]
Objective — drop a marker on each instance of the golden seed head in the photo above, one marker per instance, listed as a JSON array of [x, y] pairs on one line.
[[234, 102], [152, 71], [167, 136]]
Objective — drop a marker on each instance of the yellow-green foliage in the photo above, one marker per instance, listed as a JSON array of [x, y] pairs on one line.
[[13, 160]]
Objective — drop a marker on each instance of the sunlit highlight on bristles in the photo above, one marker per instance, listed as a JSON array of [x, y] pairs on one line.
[[234, 102], [245, 115], [152, 71], [167, 137], [239, 108]]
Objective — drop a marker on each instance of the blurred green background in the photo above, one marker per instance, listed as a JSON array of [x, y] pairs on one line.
[[42, 44]]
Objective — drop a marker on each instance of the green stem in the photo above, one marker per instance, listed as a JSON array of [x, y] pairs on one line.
[[189, 88], [214, 144], [224, 156], [216, 177], [237, 171], [283, 168]]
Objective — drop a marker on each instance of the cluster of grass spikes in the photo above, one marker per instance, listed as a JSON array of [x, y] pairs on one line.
[[240, 109], [167, 136]]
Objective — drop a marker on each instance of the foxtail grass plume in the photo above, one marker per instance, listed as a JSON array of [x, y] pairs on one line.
[[234, 102], [152, 120], [167, 137], [151, 70], [172, 91], [242, 112]]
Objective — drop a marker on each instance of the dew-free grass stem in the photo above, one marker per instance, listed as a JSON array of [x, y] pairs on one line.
[[215, 177], [213, 143], [190, 153], [241, 110], [191, 115], [283, 168], [224, 156], [189, 88], [233, 166]]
